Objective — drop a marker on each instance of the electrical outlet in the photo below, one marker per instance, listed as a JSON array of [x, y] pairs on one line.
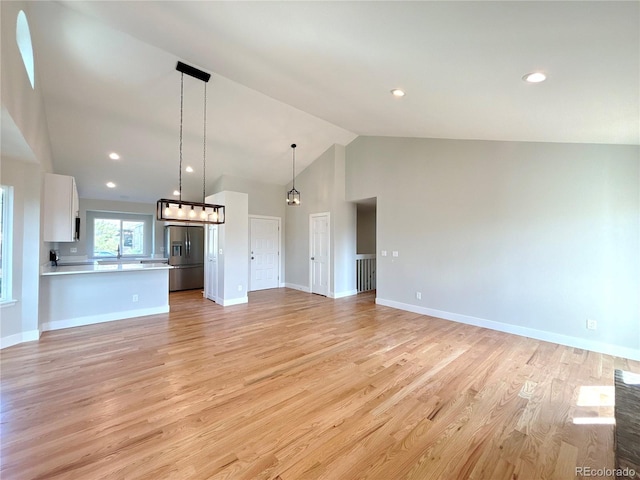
[[73, 250], [592, 324], [383, 253], [419, 295], [134, 298], [239, 288]]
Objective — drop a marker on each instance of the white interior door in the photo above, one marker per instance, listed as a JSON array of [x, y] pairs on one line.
[[265, 253], [320, 251], [211, 263]]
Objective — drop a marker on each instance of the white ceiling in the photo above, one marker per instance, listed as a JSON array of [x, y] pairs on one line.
[[318, 73]]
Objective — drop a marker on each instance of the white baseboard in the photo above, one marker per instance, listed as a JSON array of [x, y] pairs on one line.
[[11, 340], [346, 293], [302, 288], [214, 299], [107, 317], [233, 301], [543, 335]]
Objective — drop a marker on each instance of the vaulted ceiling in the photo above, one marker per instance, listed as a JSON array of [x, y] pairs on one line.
[[318, 73]]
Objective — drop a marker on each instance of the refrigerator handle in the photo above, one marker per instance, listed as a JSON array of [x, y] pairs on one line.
[[188, 244]]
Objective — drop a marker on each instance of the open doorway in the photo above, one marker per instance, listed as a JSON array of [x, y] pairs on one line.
[[366, 211]]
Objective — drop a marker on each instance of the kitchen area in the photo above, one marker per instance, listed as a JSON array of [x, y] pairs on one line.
[[111, 260]]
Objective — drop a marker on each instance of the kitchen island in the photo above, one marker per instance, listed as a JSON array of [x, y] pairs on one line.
[[75, 295]]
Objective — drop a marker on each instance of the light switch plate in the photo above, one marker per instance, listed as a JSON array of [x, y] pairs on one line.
[[383, 253], [395, 253]]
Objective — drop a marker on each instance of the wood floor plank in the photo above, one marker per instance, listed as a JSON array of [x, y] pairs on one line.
[[293, 386]]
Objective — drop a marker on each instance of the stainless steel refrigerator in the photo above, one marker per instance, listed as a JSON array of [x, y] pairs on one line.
[[184, 248]]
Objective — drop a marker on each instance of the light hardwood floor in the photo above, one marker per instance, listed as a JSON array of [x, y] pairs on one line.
[[298, 386]]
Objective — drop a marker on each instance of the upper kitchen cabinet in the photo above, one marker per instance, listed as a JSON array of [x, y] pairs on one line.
[[61, 208]]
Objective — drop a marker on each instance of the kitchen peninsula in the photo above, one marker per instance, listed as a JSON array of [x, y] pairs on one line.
[[75, 295]]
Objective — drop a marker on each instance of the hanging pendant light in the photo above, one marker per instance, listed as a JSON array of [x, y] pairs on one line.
[[293, 195], [183, 211]]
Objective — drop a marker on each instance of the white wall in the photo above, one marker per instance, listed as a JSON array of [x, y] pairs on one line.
[[343, 231], [264, 198], [233, 240], [526, 237], [19, 321], [322, 189], [23, 103], [87, 298], [23, 109]]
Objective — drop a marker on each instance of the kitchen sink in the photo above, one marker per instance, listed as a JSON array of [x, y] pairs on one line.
[[115, 261]]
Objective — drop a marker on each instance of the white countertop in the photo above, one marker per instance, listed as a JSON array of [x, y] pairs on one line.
[[97, 268]]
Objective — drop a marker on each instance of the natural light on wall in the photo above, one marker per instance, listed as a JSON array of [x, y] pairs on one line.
[[23, 38]]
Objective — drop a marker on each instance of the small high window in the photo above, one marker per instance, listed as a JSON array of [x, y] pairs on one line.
[[23, 38]]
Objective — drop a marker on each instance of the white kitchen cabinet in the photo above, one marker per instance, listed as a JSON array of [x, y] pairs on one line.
[[61, 208]]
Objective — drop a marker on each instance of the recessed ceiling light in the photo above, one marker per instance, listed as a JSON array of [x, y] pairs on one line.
[[114, 156], [534, 77], [189, 169], [111, 185], [176, 192], [396, 92]]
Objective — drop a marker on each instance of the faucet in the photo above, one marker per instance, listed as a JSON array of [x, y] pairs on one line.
[[119, 255]]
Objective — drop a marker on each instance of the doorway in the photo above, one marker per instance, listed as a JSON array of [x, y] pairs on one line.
[[320, 251], [366, 268], [264, 259]]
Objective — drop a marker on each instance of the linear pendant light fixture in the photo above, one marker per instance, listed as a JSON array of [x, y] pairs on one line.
[[183, 211], [293, 195]]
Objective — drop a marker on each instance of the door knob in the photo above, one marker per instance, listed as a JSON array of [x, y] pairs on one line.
[[251, 258], [313, 258]]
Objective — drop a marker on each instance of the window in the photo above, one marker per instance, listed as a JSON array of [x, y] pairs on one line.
[[23, 39], [111, 233], [6, 238]]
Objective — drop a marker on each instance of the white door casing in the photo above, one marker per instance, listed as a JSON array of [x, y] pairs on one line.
[[264, 259], [320, 251], [211, 263]]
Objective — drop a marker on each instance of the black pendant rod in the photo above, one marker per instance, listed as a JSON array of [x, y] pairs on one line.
[[204, 144], [181, 115], [193, 72], [293, 146]]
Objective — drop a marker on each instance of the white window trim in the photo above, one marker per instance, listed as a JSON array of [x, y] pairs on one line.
[[122, 216], [7, 248]]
